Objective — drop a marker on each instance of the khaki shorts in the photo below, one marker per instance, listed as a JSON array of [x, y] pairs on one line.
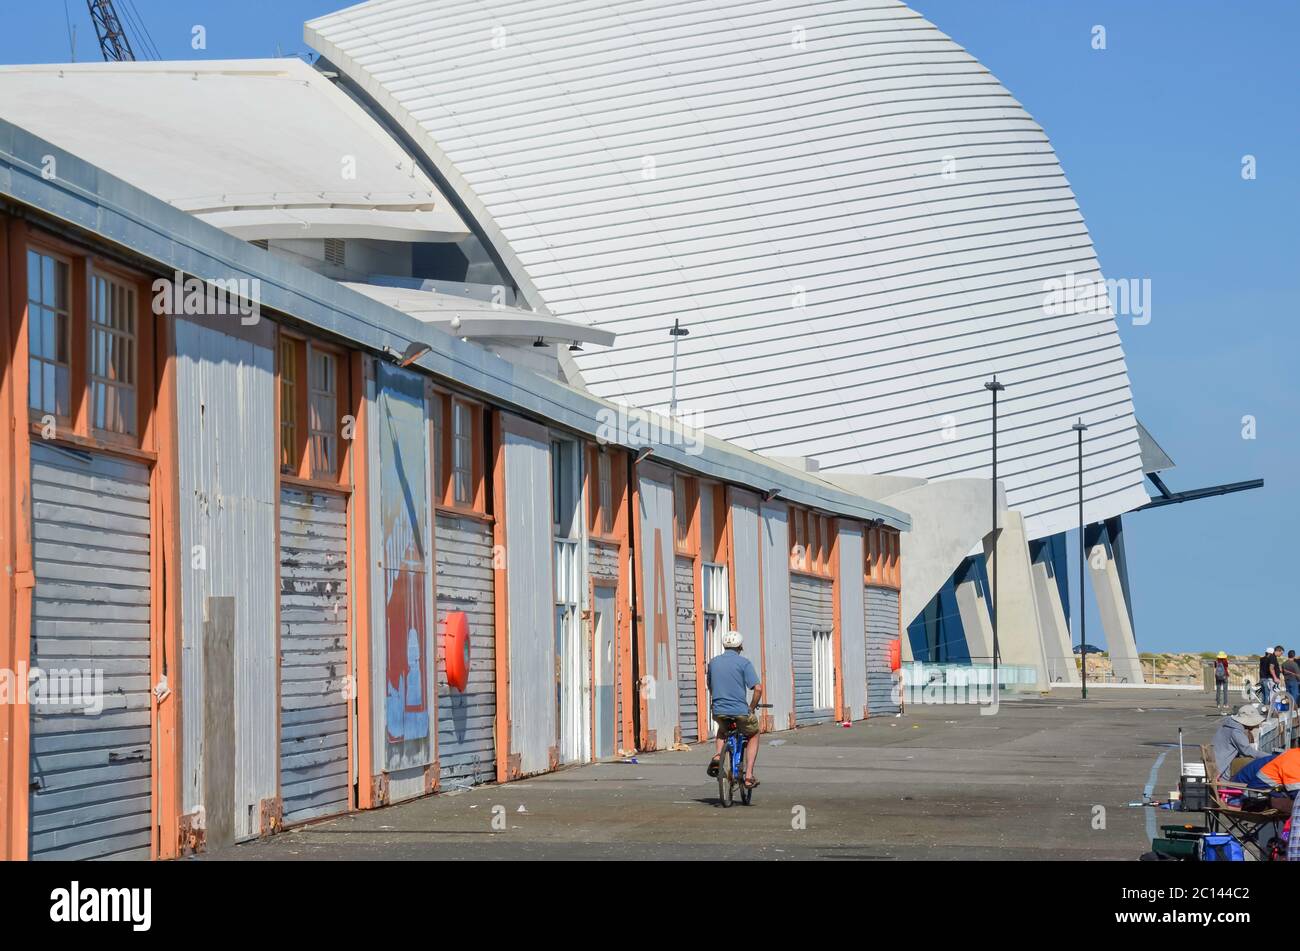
[[746, 725]]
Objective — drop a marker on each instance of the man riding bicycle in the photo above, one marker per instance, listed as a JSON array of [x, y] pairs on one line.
[[731, 676]]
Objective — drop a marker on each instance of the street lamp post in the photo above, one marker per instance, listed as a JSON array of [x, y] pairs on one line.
[[1080, 428], [995, 388], [677, 332]]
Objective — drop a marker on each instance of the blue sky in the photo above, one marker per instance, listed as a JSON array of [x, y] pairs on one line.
[[1151, 132]]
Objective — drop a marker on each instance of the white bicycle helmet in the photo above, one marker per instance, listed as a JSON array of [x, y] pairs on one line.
[[732, 640]]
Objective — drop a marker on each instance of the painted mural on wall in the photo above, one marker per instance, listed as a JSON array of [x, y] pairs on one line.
[[404, 528]]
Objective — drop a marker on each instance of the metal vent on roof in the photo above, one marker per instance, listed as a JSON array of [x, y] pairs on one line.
[[334, 251]]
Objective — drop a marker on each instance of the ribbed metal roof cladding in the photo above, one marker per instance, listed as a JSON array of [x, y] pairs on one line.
[[644, 161], [89, 199]]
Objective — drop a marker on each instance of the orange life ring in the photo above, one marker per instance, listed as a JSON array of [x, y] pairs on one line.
[[455, 647]]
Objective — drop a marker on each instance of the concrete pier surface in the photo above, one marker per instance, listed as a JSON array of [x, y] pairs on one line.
[[941, 782]]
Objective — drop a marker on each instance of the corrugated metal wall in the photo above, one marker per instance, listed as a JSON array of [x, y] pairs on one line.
[[881, 606], [655, 594], [810, 610], [466, 721], [853, 645], [225, 389], [778, 682], [530, 601], [687, 700], [748, 578], [90, 773], [314, 705]]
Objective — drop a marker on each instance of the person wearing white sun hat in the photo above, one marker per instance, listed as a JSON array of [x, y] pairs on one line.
[[731, 677], [1235, 738]]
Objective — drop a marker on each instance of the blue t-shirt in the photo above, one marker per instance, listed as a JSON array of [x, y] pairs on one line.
[[731, 677]]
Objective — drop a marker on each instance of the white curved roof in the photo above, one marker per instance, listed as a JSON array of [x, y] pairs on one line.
[[258, 148], [645, 161]]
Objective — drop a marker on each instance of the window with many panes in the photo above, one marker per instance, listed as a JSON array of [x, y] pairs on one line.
[[323, 413], [823, 671], [462, 453], [112, 367], [49, 310], [459, 470], [313, 402], [288, 402]]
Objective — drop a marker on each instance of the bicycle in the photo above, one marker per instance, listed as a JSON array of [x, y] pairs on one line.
[[731, 767]]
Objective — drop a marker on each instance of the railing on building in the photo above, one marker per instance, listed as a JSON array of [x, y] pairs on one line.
[[924, 682]]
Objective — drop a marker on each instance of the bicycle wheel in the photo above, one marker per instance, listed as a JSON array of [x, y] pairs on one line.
[[726, 776], [722, 778]]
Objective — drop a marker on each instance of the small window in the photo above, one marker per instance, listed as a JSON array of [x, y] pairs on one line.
[[714, 601], [462, 453], [49, 323], [288, 403], [683, 513], [322, 414], [437, 408], [799, 548], [605, 492], [823, 671], [112, 356]]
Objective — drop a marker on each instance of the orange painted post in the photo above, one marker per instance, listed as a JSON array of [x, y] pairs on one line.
[[638, 627], [24, 578], [359, 738], [165, 557], [8, 317]]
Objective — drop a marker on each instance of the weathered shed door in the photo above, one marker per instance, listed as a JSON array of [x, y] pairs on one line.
[[466, 719], [604, 621], [881, 607], [90, 765], [655, 607], [778, 681], [530, 596], [853, 645], [403, 655], [314, 696], [812, 621]]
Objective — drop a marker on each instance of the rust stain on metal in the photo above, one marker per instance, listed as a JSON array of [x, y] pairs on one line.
[[379, 790], [651, 740], [272, 816], [553, 757], [513, 770], [190, 838], [431, 778], [677, 735]]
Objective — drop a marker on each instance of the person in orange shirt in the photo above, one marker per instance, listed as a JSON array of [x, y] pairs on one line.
[[1283, 771]]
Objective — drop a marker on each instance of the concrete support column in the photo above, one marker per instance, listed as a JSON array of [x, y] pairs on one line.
[[975, 621], [1058, 651], [1019, 640], [1105, 565]]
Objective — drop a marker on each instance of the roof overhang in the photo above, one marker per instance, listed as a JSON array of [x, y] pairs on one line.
[[462, 317]]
